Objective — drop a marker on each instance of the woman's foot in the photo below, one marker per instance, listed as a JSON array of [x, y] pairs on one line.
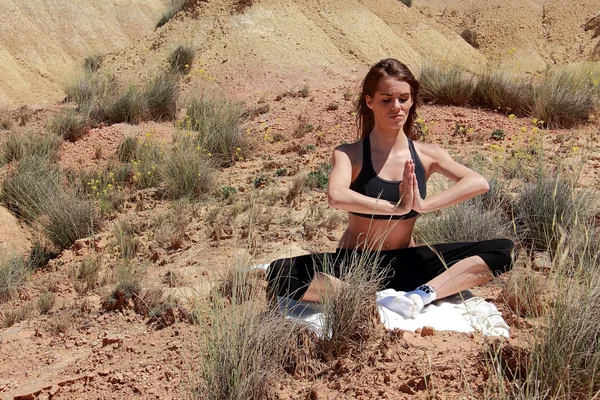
[[408, 306]]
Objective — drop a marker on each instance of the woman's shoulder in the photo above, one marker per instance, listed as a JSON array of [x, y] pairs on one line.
[[430, 150], [352, 150]]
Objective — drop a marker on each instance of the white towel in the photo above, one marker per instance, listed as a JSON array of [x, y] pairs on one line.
[[461, 312]]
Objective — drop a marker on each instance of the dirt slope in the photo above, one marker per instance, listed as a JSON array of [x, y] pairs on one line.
[[44, 39], [277, 44], [522, 35]]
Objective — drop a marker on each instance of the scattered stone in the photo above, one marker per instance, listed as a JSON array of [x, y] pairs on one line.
[[427, 331], [404, 388], [110, 339], [104, 372]]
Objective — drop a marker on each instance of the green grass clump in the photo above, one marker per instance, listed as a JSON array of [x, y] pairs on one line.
[[245, 345], [69, 125], [501, 91], [13, 273], [349, 310], [69, 218], [27, 192], [18, 145], [547, 206], [130, 106], [161, 94], [463, 222], [217, 123], [565, 97], [450, 85], [187, 172], [180, 60]]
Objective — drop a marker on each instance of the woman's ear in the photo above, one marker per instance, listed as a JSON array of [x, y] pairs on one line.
[[369, 101]]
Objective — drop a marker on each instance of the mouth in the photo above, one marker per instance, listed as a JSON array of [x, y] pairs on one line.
[[397, 116]]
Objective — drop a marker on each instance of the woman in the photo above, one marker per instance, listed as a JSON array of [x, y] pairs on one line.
[[381, 181]]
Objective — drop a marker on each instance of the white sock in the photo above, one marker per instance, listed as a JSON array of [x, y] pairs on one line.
[[410, 304], [426, 292]]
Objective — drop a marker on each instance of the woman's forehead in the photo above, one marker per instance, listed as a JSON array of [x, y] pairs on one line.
[[393, 86]]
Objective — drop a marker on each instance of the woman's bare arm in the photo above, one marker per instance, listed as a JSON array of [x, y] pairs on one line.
[[340, 195], [468, 183]]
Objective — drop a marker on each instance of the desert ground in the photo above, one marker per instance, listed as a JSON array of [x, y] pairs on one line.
[[292, 70]]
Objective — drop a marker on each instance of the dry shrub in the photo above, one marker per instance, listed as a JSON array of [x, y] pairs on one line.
[[169, 228], [524, 292], [68, 218], [246, 349], [187, 171], [69, 124], [217, 123], [171, 11], [180, 60], [6, 121], [451, 85], [350, 313], [470, 36], [464, 222], [85, 275], [505, 92], [318, 218], [46, 302], [13, 273], [126, 241], [162, 93], [18, 145], [548, 205], [16, 315], [566, 97]]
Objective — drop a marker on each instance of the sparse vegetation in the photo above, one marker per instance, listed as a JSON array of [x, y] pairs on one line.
[[446, 84], [320, 178], [180, 60], [470, 36], [464, 222], [69, 124], [161, 96], [546, 207], [565, 97], [6, 121], [46, 302], [303, 127], [217, 123], [85, 275], [187, 171], [172, 10], [504, 92], [17, 145], [13, 273], [92, 64]]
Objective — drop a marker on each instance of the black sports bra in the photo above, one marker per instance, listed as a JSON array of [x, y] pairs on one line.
[[368, 183]]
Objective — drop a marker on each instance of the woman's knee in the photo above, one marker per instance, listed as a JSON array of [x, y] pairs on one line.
[[500, 255]]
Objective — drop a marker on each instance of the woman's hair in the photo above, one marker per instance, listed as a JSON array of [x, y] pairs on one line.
[[388, 68]]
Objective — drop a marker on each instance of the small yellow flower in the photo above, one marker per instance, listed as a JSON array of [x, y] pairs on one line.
[[523, 129], [511, 116]]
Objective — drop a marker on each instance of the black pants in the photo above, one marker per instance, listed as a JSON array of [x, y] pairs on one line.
[[403, 269]]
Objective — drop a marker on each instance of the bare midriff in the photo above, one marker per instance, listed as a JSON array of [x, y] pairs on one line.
[[377, 234]]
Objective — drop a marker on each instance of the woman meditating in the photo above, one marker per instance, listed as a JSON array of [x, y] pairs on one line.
[[381, 181]]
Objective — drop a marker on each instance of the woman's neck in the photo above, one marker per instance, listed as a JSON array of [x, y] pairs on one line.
[[392, 140]]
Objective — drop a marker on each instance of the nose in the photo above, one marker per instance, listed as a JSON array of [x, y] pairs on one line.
[[397, 104]]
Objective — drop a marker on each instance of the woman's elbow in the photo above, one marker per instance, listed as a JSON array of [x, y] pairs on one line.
[[483, 184], [333, 198]]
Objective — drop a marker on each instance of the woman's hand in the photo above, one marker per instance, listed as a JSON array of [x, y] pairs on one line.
[[407, 191]]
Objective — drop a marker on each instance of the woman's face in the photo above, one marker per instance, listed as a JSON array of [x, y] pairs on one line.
[[390, 104]]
